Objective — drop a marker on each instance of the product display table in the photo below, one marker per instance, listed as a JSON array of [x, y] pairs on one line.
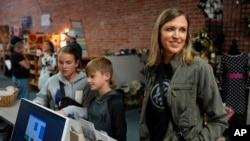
[[9, 113]]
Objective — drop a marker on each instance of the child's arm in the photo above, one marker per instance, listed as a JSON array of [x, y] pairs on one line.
[[74, 112]]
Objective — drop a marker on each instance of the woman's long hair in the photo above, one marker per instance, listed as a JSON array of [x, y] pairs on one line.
[[155, 54]]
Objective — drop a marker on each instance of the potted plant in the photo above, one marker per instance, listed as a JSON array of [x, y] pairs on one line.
[[201, 41]]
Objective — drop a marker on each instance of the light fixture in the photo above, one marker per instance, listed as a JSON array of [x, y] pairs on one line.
[[62, 38]]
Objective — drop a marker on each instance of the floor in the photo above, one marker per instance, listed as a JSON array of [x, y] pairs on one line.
[[132, 116]]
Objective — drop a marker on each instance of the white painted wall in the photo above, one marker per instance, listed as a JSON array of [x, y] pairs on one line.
[[126, 68]]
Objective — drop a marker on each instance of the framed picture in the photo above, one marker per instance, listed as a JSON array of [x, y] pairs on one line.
[[82, 43], [76, 24], [79, 32], [26, 22], [45, 20]]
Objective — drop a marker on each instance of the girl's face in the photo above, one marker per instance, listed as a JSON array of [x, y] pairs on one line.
[[67, 65], [19, 47], [46, 47], [96, 79], [173, 35]]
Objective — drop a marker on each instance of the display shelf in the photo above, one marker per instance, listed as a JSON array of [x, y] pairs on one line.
[[85, 61], [33, 83], [133, 101], [34, 71]]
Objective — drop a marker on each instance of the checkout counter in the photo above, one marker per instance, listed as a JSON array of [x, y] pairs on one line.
[[9, 115]]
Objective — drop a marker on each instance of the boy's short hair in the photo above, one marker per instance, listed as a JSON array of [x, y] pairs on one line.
[[101, 64]]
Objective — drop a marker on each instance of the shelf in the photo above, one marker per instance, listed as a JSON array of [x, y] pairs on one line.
[[85, 61], [34, 70], [133, 101], [33, 84], [35, 73], [33, 63], [88, 58], [30, 54]]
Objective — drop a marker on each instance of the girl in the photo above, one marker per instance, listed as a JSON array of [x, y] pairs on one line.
[[46, 63], [69, 82]]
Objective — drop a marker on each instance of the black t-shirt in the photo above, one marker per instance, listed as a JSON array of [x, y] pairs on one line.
[[18, 70], [157, 116]]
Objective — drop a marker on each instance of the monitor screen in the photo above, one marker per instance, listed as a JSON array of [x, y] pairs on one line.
[[37, 123]]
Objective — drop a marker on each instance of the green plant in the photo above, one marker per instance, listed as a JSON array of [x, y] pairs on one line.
[[202, 41]]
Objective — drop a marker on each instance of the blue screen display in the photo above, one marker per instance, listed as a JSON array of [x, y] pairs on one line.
[[35, 123]]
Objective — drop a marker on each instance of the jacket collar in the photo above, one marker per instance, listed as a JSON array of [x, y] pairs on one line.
[[176, 61]]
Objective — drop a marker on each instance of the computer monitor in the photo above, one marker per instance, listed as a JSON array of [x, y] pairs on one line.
[[38, 123]]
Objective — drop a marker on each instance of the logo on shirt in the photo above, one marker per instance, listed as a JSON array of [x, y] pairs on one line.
[[155, 96]]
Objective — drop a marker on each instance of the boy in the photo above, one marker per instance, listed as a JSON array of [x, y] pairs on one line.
[[106, 111]]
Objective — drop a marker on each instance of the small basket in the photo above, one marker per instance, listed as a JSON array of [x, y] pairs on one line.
[[9, 99]]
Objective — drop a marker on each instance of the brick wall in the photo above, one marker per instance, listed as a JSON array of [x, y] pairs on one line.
[[107, 24]]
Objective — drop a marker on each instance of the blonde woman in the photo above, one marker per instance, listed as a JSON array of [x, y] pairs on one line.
[[180, 88]]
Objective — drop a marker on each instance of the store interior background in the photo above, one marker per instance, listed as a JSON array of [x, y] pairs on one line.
[[127, 24], [120, 24]]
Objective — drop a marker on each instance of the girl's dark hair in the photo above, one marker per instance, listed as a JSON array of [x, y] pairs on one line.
[[51, 45], [11, 48], [70, 50]]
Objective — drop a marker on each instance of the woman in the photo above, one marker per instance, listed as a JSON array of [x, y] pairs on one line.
[[20, 67], [68, 82], [180, 88], [46, 63]]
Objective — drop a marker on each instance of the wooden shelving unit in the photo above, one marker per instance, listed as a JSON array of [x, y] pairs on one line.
[[34, 71], [34, 41], [133, 101], [85, 61]]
